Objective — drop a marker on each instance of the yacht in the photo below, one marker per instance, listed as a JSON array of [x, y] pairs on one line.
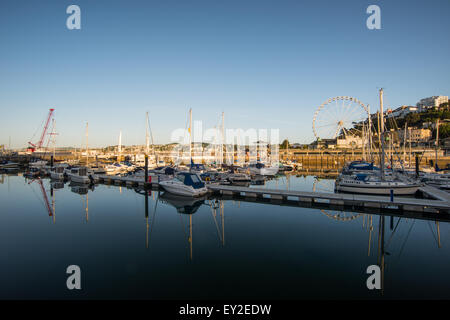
[[370, 184], [182, 204], [57, 173], [79, 175], [440, 180], [362, 177], [9, 165], [262, 170], [185, 184], [37, 164]]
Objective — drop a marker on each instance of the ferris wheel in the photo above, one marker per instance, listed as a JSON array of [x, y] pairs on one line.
[[339, 116], [341, 215]]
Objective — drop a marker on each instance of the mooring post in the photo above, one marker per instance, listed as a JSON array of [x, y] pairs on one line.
[[146, 204], [417, 166], [146, 169]]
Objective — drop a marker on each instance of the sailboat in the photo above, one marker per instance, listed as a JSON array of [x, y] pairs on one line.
[[369, 183]]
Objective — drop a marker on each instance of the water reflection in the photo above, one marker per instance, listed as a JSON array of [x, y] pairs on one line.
[[290, 247]]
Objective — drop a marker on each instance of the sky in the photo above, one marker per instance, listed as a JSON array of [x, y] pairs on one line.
[[266, 64]]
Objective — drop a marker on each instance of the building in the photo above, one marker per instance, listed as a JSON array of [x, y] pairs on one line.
[[349, 142], [415, 135], [296, 146], [402, 111], [323, 144], [431, 102]]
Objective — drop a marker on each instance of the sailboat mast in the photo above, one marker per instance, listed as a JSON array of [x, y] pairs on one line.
[[87, 143], [223, 135], [190, 133], [370, 134], [147, 138], [404, 144], [120, 145], [437, 143], [382, 135]]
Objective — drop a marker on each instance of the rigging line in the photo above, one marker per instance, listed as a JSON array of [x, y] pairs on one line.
[[393, 232], [182, 226], [432, 232], [37, 129], [407, 236], [151, 133], [215, 221]]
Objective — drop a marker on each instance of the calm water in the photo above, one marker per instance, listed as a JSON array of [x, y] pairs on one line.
[[237, 249]]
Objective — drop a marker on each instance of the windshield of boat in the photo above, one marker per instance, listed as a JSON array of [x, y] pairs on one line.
[[181, 177], [195, 178]]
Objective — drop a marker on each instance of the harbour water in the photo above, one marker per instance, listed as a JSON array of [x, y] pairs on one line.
[[208, 249]]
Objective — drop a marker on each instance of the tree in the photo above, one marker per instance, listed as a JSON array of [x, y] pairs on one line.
[[444, 131], [285, 144]]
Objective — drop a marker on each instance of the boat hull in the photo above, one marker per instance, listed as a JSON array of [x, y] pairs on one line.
[[271, 171], [80, 179], [406, 190], [57, 176], [182, 190]]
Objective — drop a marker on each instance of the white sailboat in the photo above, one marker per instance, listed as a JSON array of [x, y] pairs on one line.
[[367, 183]]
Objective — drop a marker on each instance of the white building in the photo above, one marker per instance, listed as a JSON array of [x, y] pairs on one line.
[[402, 111], [349, 142], [431, 102]]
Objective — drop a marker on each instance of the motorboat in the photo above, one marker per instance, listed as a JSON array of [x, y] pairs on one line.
[[57, 173], [182, 204], [261, 169], [79, 175], [37, 164], [80, 188], [440, 180], [9, 165], [185, 184], [98, 169], [197, 168]]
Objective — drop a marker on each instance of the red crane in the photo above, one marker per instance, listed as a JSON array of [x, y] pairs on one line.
[[33, 146], [44, 194]]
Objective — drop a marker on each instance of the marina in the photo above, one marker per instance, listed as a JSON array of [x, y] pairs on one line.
[[151, 229], [214, 157]]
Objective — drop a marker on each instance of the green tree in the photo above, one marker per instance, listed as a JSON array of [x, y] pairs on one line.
[[285, 144]]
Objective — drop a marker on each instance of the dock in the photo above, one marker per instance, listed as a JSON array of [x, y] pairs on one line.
[[129, 181], [435, 193], [437, 201], [341, 200]]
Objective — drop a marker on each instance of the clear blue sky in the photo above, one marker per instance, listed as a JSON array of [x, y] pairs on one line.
[[267, 64]]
